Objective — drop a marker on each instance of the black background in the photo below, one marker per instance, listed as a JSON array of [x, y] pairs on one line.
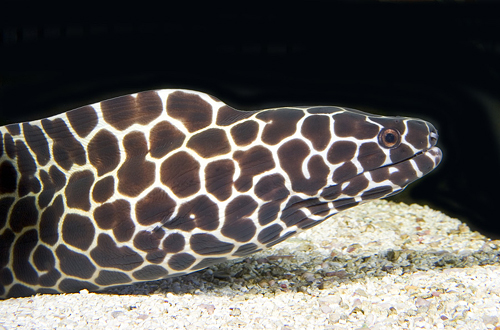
[[436, 61]]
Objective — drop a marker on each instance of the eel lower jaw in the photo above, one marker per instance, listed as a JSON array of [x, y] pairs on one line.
[[434, 153]]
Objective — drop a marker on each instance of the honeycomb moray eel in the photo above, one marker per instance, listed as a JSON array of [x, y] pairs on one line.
[[167, 182]]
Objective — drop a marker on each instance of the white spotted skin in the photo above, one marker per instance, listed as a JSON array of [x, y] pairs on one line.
[[167, 182]]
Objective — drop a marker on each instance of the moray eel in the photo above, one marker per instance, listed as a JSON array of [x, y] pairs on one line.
[[167, 182]]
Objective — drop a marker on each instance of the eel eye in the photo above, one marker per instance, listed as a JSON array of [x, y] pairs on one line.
[[389, 138]]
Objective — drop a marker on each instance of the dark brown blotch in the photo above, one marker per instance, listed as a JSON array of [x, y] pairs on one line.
[[344, 172], [401, 153], [149, 106], [252, 162], [317, 130], [13, 129], [219, 178], [73, 263], [58, 177], [424, 164], [156, 256], [78, 231], [21, 252], [281, 123], [8, 178], [174, 243], [149, 273], [6, 278], [210, 143], [181, 261], [51, 276], [45, 261], [271, 187], [199, 212], [190, 109], [376, 193], [344, 204], [107, 277], [418, 134], [10, 146], [24, 214], [241, 230], [291, 155], [356, 185], [318, 207], [108, 254], [53, 181], [241, 207], [19, 290], [104, 152], [43, 258], [181, 173], [66, 150], [116, 216], [269, 212], [77, 191], [405, 174], [83, 120], [371, 156], [164, 138], [207, 244], [245, 133], [136, 173], [270, 233], [350, 124], [49, 221], [331, 192], [238, 224], [103, 189], [380, 174], [155, 207], [37, 142], [5, 204], [148, 241], [292, 213], [26, 165], [341, 152], [124, 111], [6, 239]]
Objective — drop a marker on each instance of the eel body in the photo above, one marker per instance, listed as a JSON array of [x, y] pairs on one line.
[[167, 182]]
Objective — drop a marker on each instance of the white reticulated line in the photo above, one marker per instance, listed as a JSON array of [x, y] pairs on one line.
[[415, 167], [163, 94], [306, 211], [305, 170], [393, 169], [368, 176], [344, 185]]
